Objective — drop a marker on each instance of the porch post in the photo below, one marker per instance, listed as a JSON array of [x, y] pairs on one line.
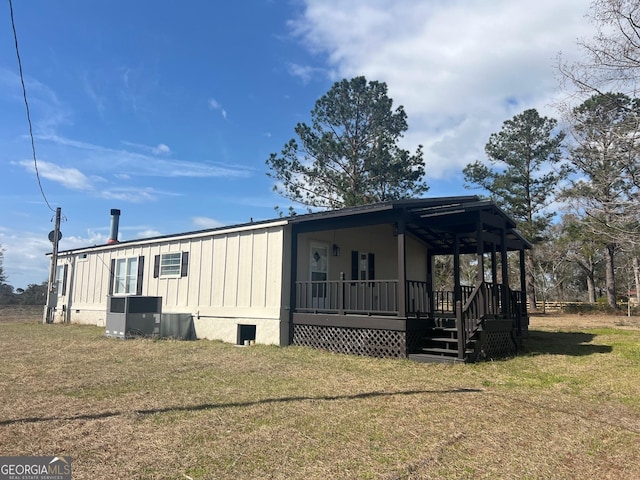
[[523, 284], [402, 270], [430, 283], [457, 295], [341, 294], [505, 272], [293, 273], [480, 252], [494, 266]]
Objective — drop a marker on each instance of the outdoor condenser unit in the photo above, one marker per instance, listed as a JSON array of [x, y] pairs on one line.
[[133, 315]]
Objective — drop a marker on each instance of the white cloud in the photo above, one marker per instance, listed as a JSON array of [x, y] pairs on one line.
[[74, 241], [69, 177], [114, 161], [205, 222], [25, 258], [148, 233], [459, 68], [305, 72], [51, 112], [133, 194], [215, 105], [160, 149], [93, 94]]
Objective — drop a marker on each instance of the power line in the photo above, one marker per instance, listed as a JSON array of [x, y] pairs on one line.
[[26, 104]]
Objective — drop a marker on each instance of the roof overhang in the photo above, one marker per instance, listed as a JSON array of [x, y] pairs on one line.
[[437, 221]]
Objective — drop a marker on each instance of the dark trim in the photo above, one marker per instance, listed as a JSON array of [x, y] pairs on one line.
[[65, 270], [140, 275], [480, 250], [402, 269], [505, 271], [354, 265], [351, 321], [184, 267], [112, 275], [498, 325], [156, 266], [293, 273], [457, 291]]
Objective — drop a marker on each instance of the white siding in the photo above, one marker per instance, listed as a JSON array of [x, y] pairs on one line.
[[416, 260], [234, 277]]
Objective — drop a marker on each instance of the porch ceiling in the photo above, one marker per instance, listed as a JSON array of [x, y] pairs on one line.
[[436, 221], [438, 227]]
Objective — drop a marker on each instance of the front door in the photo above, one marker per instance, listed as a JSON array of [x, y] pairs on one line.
[[319, 268]]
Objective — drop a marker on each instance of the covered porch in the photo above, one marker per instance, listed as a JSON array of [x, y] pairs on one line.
[[364, 280]]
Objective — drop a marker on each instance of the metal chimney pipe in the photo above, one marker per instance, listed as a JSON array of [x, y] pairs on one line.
[[115, 221]]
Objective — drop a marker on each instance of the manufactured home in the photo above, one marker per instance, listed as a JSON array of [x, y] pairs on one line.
[[358, 280]]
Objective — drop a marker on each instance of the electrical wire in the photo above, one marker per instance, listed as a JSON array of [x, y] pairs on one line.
[[26, 104]]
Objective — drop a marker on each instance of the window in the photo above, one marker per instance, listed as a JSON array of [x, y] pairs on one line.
[[61, 280], [170, 264], [362, 266], [126, 276]]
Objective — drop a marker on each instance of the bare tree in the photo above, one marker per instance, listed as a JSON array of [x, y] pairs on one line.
[[606, 131], [611, 59], [581, 249]]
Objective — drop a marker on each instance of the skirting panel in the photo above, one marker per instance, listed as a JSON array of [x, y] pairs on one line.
[[498, 344], [353, 341]]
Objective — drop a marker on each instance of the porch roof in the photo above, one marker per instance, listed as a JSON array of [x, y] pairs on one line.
[[436, 221]]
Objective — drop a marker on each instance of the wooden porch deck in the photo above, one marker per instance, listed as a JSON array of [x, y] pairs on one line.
[[366, 318]]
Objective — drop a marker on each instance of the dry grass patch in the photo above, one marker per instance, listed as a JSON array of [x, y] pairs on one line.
[[568, 407]]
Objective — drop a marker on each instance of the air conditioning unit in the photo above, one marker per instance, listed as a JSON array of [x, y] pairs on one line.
[[133, 315], [177, 325]]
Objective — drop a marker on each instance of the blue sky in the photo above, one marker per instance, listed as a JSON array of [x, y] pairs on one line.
[[168, 110]]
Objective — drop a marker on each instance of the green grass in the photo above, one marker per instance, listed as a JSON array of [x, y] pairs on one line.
[[567, 407]]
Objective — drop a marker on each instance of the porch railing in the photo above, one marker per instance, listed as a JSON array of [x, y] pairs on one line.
[[486, 300], [373, 297], [378, 297], [443, 300]]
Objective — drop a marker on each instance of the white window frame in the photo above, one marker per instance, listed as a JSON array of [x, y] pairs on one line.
[[59, 279], [170, 264], [126, 276]]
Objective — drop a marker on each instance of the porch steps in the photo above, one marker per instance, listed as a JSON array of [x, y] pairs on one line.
[[440, 344]]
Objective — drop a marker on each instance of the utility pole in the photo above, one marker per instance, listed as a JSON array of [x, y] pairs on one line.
[[52, 295]]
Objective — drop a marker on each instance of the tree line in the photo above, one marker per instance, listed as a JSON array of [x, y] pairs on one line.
[[34, 294]]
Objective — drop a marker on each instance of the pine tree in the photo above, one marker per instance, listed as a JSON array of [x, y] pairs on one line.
[[521, 177], [349, 155]]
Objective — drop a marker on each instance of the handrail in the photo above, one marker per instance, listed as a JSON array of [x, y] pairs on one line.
[[474, 293], [469, 316]]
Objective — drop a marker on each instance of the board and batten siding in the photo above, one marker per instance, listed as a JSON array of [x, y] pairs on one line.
[[378, 240], [235, 276]]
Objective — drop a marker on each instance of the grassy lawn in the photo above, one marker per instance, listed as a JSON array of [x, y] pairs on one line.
[[568, 407]]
